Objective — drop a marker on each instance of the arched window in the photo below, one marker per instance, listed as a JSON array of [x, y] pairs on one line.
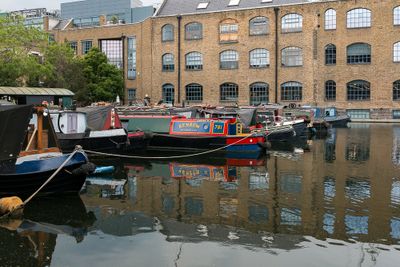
[[228, 31], [259, 58], [259, 93], [292, 23], [396, 15], [194, 92], [359, 18], [167, 33], [229, 59], [292, 56], [330, 19], [194, 61], [396, 52], [330, 90], [291, 91], [258, 26], [330, 54], [358, 90], [229, 92], [396, 90], [168, 62], [168, 93], [359, 53], [193, 31]]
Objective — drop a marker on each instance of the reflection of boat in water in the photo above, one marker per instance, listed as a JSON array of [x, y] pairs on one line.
[[31, 240]]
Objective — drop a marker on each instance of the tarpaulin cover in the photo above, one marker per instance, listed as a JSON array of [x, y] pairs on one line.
[[14, 122], [247, 116], [96, 116]]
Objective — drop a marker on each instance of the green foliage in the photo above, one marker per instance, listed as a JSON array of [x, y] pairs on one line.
[[104, 81], [91, 78]]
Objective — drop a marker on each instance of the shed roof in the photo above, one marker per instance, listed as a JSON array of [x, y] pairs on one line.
[[35, 91]]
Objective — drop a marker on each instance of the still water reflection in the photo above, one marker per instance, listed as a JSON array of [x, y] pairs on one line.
[[335, 204]]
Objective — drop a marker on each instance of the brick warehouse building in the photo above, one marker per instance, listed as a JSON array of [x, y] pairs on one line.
[[222, 52]]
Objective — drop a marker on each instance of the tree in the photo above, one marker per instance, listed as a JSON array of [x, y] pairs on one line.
[[20, 51], [104, 81]]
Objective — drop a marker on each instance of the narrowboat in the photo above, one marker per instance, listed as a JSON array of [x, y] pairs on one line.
[[332, 117], [180, 134], [94, 128], [29, 155]]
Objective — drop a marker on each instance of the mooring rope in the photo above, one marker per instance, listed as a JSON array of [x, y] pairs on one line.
[[78, 148], [168, 157]]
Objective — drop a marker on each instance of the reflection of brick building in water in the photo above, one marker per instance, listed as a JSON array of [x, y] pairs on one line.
[[341, 197]]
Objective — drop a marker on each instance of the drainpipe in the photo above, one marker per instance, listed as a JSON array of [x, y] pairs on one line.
[[179, 58], [125, 96], [276, 10]]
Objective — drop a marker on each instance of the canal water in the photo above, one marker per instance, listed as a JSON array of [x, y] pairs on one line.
[[332, 201]]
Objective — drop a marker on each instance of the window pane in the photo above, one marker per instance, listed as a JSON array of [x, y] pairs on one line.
[[168, 62], [86, 46], [228, 31], [396, 16], [194, 61], [168, 93], [131, 94], [74, 46], [167, 33], [259, 93], [193, 31], [359, 53], [396, 52], [330, 90], [113, 50], [291, 91], [229, 92], [258, 26], [292, 56], [359, 18], [330, 19], [292, 23], [131, 58], [396, 90], [229, 59], [358, 114], [194, 92], [330, 54], [259, 58], [358, 90]]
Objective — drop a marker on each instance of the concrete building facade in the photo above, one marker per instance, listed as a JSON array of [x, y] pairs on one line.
[[343, 53]]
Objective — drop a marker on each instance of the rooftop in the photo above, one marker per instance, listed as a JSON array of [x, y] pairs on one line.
[[180, 7], [35, 91]]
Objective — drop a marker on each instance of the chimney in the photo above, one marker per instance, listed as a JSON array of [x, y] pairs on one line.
[[102, 20], [46, 23]]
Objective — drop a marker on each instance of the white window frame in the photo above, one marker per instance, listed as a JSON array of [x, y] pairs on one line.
[[330, 19]]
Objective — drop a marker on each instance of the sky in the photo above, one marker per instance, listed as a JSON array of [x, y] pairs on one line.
[[10, 5]]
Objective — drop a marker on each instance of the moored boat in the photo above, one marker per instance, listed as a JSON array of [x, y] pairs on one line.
[[29, 157]]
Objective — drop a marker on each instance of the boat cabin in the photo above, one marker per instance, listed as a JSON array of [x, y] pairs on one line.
[[201, 127]]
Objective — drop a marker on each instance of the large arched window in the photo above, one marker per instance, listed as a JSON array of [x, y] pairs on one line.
[[258, 26], [330, 90], [292, 56], [291, 91], [330, 19], [229, 92], [167, 33], [259, 58], [358, 90], [194, 92], [229, 59], [359, 18], [168, 62], [330, 54], [396, 90], [193, 31], [359, 53], [228, 31], [168, 93], [259, 93], [396, 52], [292, 23], [396, 15], [194, 61]]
